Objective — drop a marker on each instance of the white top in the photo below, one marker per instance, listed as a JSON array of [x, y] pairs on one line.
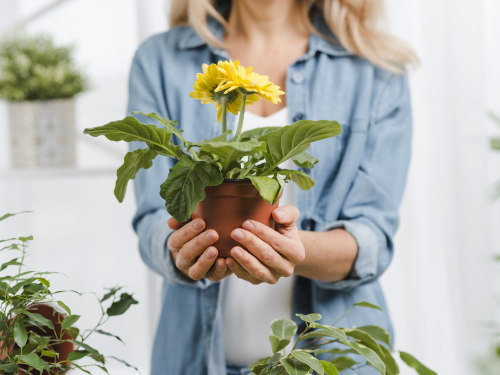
[[249, 309]]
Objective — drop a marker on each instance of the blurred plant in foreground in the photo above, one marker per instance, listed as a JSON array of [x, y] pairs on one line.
[[33, 68], [33, 341]]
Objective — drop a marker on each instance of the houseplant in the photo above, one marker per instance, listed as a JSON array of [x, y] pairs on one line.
[[39, 81], [37, 330], [246, 166], [329, 350]]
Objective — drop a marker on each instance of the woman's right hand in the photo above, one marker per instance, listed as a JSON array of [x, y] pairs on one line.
[[192, 253]]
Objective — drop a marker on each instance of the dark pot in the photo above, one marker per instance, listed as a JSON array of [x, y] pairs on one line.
[[228, 206]]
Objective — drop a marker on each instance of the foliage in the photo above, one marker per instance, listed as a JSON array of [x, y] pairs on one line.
[[495, 145], [20, 346], [329, 350], [35, 69]]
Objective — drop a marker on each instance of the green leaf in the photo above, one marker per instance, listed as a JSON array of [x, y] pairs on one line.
[[25, 239], [63, 305], [90, 349], [294, 367], [275, 358], [229, 151], [73, 332], [268, 188], [21, 284], [302, 180], [310, 318], [97, 357], [34, 288], [371, 357], [275, 370], [169, 124], [28, 348], [111, 293], [305, 160], [252, 365], [255, 134], [365, 339], [343, 362], [219, 138], [122, 305], [44, 281], [283, 328], [377, 333], [278, 344], [134, 160], [34, 361], [185, 186], [369, 305], [309, 360], [69, 321], [9, 368], [291, 140], [80, 368], [391, 365], [75, 355], [40, 319], [108, 334], [416, 364], [332, 332], [125, 363], [130, 130], [104, 369], [12, 262], [329, 368], [20, 333], [6, 216], [47, 353], [495, 143]]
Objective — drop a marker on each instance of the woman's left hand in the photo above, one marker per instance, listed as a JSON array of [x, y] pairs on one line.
[[272, 253]]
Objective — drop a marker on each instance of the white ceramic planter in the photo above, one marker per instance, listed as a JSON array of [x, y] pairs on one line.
[[42, 133]]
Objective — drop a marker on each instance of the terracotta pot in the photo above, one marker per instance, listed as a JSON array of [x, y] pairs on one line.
[[227, 206], [63, 349]]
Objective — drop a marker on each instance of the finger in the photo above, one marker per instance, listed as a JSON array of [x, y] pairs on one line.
[[203, 264], [240, 272], [265, 251], [185, 234], [193, 249], [218, 270], [285, 244], [252, 265], [174, 224], [286, 215]]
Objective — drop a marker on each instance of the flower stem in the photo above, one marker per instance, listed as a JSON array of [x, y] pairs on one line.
[[224, 114], [242, 115]]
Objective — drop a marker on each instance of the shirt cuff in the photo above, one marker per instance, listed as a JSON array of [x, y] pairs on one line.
[[365, 265], [163, 258]]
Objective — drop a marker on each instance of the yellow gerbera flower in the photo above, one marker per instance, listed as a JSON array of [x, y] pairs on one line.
[[247, 81], [205, 90]]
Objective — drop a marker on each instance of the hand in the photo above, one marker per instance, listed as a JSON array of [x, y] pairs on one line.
[[192, 253], [272, 253]]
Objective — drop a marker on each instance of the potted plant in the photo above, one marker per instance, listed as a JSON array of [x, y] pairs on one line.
[[39, 81], [223, 180], [328, 349], [37, 330]]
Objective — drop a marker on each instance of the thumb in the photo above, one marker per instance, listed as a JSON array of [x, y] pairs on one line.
[[174, 224], [286, 215]]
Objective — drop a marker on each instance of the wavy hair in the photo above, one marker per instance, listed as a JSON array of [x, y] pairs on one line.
[[353, 22]]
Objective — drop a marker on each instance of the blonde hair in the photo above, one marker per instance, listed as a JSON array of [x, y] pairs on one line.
[[353, 22]]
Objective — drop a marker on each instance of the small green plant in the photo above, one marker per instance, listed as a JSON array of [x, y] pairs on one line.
[[329, 350], [33, 68], [21, 347]]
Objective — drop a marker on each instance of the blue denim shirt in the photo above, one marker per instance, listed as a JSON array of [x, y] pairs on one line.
[[360, 180]]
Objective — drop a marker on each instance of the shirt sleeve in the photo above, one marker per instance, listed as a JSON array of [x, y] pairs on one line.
[[150, 221], [370, 211]]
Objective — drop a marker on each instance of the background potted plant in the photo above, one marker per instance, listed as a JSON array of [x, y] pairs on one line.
[[223, 180], [328, 350], [37, 330], [39, 81]]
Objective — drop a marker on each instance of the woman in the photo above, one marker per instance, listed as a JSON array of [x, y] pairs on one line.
[[332, 65]]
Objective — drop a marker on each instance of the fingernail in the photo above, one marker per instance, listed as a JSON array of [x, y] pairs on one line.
[[248, 225], [211, 253], [230, 264], [238, 234], [198, 224], [279, 214], [237, 253], [210, 236], [220, 265]]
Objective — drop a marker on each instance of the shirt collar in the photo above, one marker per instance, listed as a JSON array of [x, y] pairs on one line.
[[317, 43]]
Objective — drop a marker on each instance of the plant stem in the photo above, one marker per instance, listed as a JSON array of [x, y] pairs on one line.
[[194, 154], [224, 114], [242, 116]]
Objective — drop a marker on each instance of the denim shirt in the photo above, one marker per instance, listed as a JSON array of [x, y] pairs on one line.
[[360, 180]]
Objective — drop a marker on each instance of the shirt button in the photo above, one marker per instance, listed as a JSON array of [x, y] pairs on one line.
[[298, 117], [306, 224], [297, 77]]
